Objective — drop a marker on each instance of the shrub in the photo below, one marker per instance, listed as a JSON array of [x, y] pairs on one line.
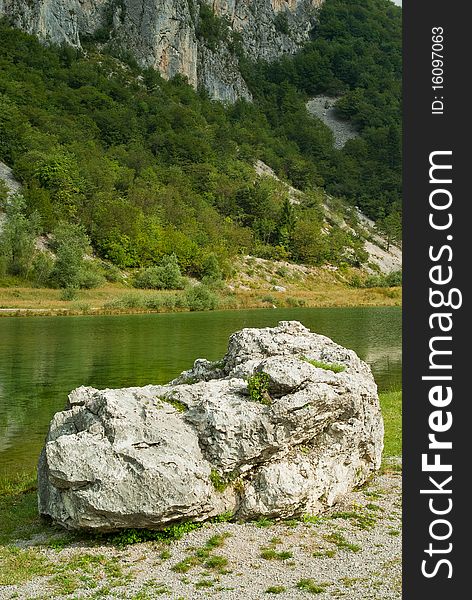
[[211, 28], [91, 276], [211, 269], [111, 272], [43, 265], [17, 239], [70, 245], [281, 23], [393, 279], [166, 276], [295, 302], [154, 302], [201, 298], [68, 294]]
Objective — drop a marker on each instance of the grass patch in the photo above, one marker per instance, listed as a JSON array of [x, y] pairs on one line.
[[19, 508], [18, 566], [203, 557], [136, 536], [292, 523], [340, 542], [276, 589], [87, 570], [263, 522], [391, 405], [204, 583], [216, 563], [361, 520], [219, 483], [216, 541], [272, 554], [324, 554], [313, 519], [335, 367], [311, 586], [150, 590]]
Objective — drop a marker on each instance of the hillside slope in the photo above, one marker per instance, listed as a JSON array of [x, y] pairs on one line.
[[115, 157]]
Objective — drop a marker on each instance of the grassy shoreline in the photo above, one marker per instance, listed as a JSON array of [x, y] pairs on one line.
[[117, 299], [36, 555]]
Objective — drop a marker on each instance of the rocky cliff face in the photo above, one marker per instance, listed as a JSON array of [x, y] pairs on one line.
[[200, 39]]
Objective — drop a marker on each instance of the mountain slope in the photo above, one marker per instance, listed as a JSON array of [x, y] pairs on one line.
[[195, 38], [148, 166]]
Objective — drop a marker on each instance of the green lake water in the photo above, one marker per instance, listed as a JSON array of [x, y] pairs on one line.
[[43, 358]]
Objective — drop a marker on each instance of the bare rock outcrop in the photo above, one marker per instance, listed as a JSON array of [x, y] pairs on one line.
[[271, 430], [196, 38]]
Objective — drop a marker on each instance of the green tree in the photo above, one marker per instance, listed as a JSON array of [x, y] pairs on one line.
[[165, 276], [18, 237], [391, 227], [70, 245]]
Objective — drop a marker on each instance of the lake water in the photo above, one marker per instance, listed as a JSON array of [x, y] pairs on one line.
[[43, 358]]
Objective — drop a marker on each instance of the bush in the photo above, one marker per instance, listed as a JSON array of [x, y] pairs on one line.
[[394, 279], [281, 23], [211, 270], [68, 294], [70, 245], [380, 281], [295, 302], [43, 265], [17, 239], [166, 276], [91, 276], [201, 298], [111, 272]]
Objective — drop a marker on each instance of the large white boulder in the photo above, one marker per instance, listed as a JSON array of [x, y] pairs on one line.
[[202, 445]]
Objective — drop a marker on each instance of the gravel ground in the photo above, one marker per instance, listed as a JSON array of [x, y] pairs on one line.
[[322, 107], [352, 552]]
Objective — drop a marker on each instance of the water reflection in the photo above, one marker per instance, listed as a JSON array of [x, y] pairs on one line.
[[42, 359]]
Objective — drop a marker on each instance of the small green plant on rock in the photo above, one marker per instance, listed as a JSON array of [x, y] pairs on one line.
[[258, 388], [179, 406], [335, 367]]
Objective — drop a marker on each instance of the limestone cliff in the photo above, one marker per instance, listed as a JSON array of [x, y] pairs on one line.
[[200, 39]]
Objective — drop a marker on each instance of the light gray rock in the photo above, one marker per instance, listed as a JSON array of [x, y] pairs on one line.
[[201, 445], [166, 34]]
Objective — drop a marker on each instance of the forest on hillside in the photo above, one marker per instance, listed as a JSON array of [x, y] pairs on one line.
[[116, 159]]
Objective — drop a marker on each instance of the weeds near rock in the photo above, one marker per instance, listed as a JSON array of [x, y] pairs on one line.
[[363, 521], [203, 557]]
